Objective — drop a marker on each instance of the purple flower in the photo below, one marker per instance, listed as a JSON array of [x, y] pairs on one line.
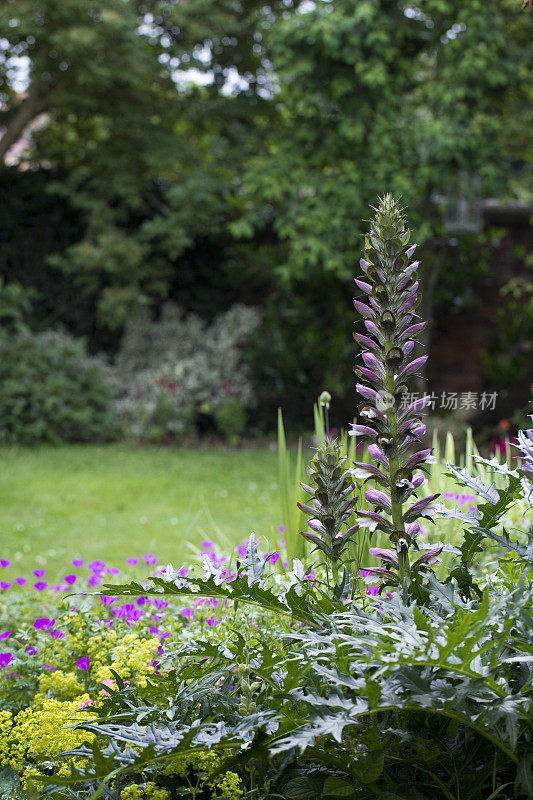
[[97, 565], [188, 613], [150, 560], [57, 634], [207, 545], [183, 572], [39, 573], [5, 659], [241, 550], [48, 667], [70, 579], [5, 585], [40, 585], [77, 562], [4, 563], [93, 580], [212, 622], [21, 581], [113, 571], [281, 528], [160, 603], [6, 634], [43, 624], [31, 651], [83, 663], [106, 600], [132, 561]]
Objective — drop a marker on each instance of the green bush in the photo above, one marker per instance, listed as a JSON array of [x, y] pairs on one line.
[[52, 391]]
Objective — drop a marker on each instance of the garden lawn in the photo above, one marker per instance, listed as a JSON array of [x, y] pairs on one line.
[[111, 502]]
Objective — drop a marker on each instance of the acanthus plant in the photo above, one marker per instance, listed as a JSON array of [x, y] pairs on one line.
[[393, 428], [330, 507]]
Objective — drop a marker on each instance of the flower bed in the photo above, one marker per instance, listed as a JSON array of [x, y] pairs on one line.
[[337, 676]]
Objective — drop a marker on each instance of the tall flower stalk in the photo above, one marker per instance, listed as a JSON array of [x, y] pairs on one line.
[[391, 424]]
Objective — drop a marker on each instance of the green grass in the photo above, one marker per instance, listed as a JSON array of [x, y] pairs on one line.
[[116, 501]]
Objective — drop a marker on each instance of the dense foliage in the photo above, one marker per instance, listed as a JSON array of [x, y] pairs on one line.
[[52, 391], [243, 140]]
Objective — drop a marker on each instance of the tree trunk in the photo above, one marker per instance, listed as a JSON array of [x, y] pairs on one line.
[[33, 105]]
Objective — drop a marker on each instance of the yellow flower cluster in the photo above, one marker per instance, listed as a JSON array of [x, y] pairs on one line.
[[204, 763], [147, 791], [132, 658], [59, 685], [39, 732]]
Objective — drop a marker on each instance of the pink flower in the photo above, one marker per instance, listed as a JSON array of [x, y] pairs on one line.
[[132, 561], [77, 562], [57, 634], [6, 634], [5, 659], [39, 573], [281, 528], [212, 623], [113, 571], [93, 580], [5, 585], [188, 613], [21, 581], [43, 624], [107, 600], [4, 563], [150, 560], [40, 585], [83, 663], [70, 579], [31, 650]]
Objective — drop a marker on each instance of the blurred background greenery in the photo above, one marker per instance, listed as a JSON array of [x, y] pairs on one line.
[[185, 186]]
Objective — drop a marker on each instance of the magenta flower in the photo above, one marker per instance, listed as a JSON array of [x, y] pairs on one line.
[[5, 659], [5, 585], [241, 550], [97, 565], [39, 573], [208, 545], [132, 561], [83, 663], [31, 651], [93, 580], [4, 563], [43, 624], [21, 581], [113, 571], [40, 585], [57, 634], [6, 634], [70, 579], [150, 560], [77, 562], [188, 613], [281, 528], [49, 667], [182, 573], [160, 603], [106, 600]]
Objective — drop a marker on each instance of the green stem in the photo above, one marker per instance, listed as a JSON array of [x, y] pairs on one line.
[[396, 506]]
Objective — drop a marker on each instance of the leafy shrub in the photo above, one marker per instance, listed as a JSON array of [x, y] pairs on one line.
[[52, 391], [174, 369]]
